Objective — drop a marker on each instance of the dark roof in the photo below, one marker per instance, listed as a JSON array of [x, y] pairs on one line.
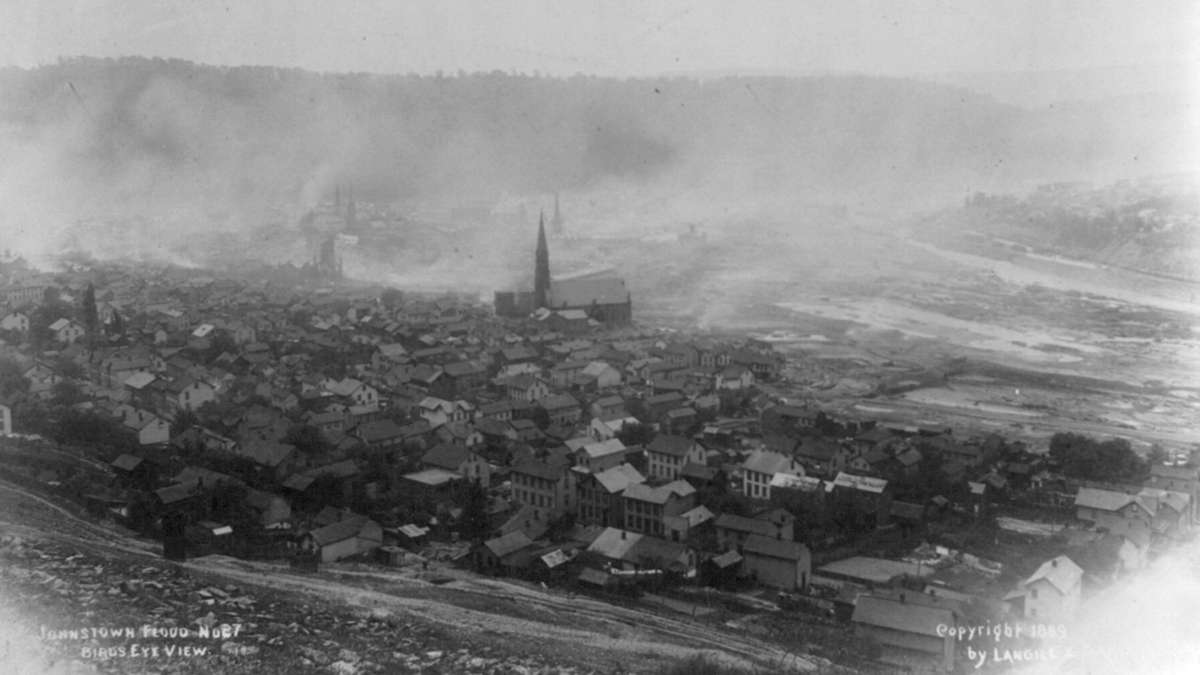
[[817, 449], [538, 469], [339, 531], [667, 444], [381, 430], [510, 543], [126, 462], [446, 456], [775, 548], [729, 521], [267, 453]]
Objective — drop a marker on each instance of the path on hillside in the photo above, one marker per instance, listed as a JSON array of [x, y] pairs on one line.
[[572, 627]]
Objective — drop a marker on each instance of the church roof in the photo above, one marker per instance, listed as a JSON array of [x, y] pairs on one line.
[[583, 292]]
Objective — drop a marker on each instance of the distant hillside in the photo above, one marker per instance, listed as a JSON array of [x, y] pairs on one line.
[[91, 137]]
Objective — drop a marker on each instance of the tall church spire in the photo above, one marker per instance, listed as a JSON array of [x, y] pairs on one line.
[[541, 269]]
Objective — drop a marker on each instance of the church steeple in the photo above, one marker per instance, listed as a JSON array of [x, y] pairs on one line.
[[541, 269]]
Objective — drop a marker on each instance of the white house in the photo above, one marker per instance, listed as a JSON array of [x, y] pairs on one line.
[[15, 322], [666, 456], [760, 469], [66, 331], [1052, 593]]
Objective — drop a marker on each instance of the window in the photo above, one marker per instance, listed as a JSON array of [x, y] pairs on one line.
[[1033, 594]]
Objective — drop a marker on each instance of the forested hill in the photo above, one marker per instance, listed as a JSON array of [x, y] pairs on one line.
[[94, 133]]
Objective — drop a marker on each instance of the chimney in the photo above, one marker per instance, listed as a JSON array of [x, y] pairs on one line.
[[902, 598], [622, 534], [1054, 563]]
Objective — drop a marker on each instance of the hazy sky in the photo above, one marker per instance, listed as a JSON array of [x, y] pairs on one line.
[[611, 37]]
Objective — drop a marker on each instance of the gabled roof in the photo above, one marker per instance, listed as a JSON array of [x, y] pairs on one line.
[[1103, 500], [771, 463], [670, 445], [619, 477], [510, 543], [339, 531], [539, 469], [603, 448], [446, 456], [1061, 572], [267, 453], [613, 543], [774, 547], [139, 380], [558, 402], [126, 462]]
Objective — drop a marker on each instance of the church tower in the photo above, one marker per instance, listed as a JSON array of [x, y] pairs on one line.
[[541, 269]]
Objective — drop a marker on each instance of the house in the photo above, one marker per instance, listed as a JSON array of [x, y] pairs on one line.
[[680, 527], [185, 393], [16, 321], [599, 456], [66, 331], [776, 562], [463, 376], [734, 378], [273, 510], [275, 459], [631, 554], [608, 407], [436, 411], [602, 375], [761, 467], [599, 495], [382, 436], [344, 538], [134, 471], [149, 428], [667, 454], [910, 627], [1052, 593], [546, 484], [1117, 512], [604, 429], [733, 530], [821, 456], [502, 554], [561, 409], [787, 420], [1177, 478], [459, 459], [353, 391], [645, 507], [526, 388]]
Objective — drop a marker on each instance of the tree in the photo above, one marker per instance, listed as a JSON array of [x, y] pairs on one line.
[[308, 440], [635, 434], [185, 419], [474, 523], [116, 326], [88, 313]]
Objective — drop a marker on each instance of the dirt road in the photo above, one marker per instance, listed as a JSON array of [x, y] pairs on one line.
[[574, 629]]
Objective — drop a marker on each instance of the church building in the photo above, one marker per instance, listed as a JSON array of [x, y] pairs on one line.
[[603, 298]]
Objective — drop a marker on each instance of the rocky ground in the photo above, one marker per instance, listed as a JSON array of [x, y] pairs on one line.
[[51, 588], [61, 571]]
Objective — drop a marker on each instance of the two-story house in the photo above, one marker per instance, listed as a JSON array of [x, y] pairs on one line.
[[667, 454]]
